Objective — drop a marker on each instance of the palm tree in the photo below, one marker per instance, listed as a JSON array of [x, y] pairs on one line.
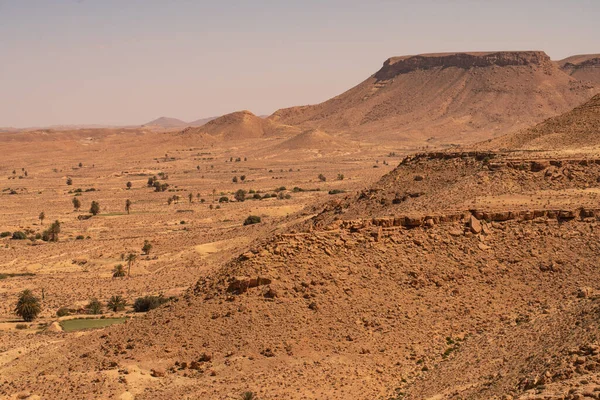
[[127, 205], [118, 271], [42, 216], [130, 260], [52, 233], [28, 306], [116, 303]]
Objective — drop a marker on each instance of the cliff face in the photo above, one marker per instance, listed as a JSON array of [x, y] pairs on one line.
[[401, 65]]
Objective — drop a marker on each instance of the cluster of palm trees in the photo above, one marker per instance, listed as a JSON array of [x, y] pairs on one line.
[[119, 270]]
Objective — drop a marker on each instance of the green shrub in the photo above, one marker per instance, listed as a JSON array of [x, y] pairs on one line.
[[95, 208], [80, 237], [147, 303], [224, 199], [252, 219], [147, 247], [18, 235], [240, 195], [63, 312], [5, 234], [336, 191], [21, 326]]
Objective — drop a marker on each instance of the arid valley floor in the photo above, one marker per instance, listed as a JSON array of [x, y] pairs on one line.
[[432, 233]]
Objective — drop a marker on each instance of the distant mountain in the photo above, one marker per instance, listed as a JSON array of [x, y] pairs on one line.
[[244, 125], [202, 121], [447, 98], [166, 122]]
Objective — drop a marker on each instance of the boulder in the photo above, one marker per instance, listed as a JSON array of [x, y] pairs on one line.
[[474, 224]]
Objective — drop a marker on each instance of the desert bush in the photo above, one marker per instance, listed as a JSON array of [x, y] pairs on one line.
[[129, 184], [336, 191], [147, 303], [5, 234], [257, 196], [235, 179], [21, 326], [224, 199], [248, 396], [116, 303], [28, 306], [95, 208], [240, 195], [80, 237], [322, 178], [252, 219], [94, 307], [18, 235], [340, 177], [146, 247], [76, 203], [69, 181], [63, 312], [243, 178]]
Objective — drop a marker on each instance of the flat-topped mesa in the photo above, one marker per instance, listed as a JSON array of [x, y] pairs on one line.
[[401, 65]]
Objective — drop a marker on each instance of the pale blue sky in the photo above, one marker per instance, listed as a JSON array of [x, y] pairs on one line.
[[129, 61]]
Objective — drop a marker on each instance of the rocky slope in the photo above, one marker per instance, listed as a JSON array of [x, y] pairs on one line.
[[433, 99], [373, 297], [583, 67], [578, 129]]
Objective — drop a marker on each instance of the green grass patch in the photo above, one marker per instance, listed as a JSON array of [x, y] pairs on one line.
[[80, 324]]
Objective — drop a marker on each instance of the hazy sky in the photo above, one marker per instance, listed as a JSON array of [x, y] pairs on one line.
[[130, 61]]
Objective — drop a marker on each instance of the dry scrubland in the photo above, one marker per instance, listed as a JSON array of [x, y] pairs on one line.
[[465, 273]]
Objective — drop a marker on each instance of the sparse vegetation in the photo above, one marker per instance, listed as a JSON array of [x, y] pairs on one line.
[[322, 178], [41, 217], [147, 303], [63, 312], [76, 203], [146, 247], [51, 234], [95, 208], [18, 235], [127, 206], [252, 219], [240, 195]]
